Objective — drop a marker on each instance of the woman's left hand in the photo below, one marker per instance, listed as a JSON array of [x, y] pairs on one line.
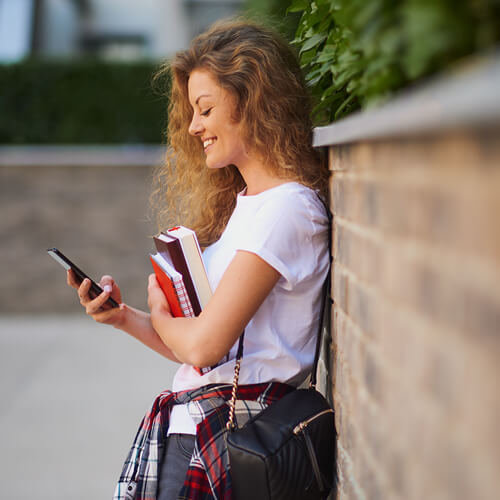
[[157, 301]]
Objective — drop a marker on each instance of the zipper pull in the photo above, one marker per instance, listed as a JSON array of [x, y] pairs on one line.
[[302, 425], [299, 427]]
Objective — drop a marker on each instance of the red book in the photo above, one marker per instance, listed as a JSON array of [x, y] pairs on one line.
[[173, 287]]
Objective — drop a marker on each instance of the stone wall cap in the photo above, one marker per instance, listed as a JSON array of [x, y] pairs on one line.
[[82, 155], [467, 97]]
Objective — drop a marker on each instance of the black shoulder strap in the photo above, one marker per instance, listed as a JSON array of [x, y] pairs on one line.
[[326, 300]]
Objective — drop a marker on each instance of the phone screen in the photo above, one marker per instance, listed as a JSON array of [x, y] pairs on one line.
[[94, 290]]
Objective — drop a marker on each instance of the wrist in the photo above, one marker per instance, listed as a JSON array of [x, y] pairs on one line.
[[122, 317]]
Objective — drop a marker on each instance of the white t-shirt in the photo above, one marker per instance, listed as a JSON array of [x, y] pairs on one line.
[[287, 227]]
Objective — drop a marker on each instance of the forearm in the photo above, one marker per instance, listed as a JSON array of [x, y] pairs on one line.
[[138, 324]]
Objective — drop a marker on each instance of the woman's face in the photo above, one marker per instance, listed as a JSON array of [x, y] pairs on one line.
[[213, 121]]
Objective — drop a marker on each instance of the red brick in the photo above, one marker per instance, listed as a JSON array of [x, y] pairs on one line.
[[340, 288], [339, 157], [372, 379], [370, 482], [363, 308], [342, 245], [338, 195], [359, 253]]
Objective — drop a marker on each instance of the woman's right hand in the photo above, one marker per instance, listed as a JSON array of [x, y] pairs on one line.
[[96, 307]]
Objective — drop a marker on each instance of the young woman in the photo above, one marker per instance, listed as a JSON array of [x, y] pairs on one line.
[[242, 173]]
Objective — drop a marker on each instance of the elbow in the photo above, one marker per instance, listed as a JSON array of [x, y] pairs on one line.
[[202, 357], [185, 341], [205, 351], [205, 347], [193, 343]]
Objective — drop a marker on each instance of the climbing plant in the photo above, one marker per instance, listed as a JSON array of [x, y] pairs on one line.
[[356, 53]]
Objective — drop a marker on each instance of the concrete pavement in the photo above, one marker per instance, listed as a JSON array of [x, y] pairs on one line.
[[72, 395]]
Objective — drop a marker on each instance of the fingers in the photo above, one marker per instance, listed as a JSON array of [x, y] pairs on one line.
[[107, 283], [92, 305], [156, 297], [110, 316], [154, 289], [71, 279], [83, 292], [152, 281], [96, 307]]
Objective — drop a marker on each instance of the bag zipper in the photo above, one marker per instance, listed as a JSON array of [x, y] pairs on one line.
[[302, 425]]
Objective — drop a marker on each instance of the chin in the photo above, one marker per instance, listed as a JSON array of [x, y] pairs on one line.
[[215, 164]]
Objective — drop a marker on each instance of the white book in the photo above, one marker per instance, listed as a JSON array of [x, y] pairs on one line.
[[192, 253]]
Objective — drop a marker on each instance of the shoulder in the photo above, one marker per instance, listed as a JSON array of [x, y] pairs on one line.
[[287, 227], [290, 215], [293, 200]]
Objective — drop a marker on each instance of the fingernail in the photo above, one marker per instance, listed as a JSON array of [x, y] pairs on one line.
[[107, 288]]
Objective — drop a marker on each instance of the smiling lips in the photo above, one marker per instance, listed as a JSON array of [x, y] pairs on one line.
[[208, 142]]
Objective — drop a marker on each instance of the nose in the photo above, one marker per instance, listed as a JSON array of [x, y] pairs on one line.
[[195, 127]]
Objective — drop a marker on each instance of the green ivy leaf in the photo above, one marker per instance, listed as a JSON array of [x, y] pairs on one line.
[[327, 54], [313, 42], [298, 6]]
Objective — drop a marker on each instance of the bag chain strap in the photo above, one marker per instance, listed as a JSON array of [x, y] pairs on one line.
[[232, 402]]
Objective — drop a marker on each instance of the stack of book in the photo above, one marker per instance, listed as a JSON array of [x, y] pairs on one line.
[[180, 271]]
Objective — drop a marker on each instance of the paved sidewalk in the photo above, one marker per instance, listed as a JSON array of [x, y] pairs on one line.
[[72, 395]]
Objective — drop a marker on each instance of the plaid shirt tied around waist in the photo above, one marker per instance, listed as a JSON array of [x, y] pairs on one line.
[[208, 473]]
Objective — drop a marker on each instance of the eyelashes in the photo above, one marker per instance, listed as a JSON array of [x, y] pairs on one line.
[[207, 112]]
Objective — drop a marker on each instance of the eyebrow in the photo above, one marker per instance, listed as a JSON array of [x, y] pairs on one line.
[[200, 96]]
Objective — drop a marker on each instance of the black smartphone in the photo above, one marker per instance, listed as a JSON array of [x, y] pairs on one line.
[[94, 290]]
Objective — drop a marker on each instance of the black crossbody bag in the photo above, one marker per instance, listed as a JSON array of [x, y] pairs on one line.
[[287, 451]]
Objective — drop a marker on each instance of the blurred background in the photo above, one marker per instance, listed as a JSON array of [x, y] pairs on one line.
[[81, 132]]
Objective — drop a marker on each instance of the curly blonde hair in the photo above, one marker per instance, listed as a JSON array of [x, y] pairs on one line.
[[259, 68]]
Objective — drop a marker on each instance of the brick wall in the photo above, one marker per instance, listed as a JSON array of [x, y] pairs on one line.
[[416, 315]]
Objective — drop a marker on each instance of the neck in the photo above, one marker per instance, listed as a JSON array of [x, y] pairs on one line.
[[257, 176]]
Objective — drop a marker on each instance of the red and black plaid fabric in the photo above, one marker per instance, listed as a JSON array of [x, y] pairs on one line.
[[208, 474]]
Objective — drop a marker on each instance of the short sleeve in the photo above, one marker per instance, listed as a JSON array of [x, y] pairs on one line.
[[289, 232]]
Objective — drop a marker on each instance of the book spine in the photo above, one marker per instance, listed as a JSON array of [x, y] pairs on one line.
[[190, 246], [176, 253]]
